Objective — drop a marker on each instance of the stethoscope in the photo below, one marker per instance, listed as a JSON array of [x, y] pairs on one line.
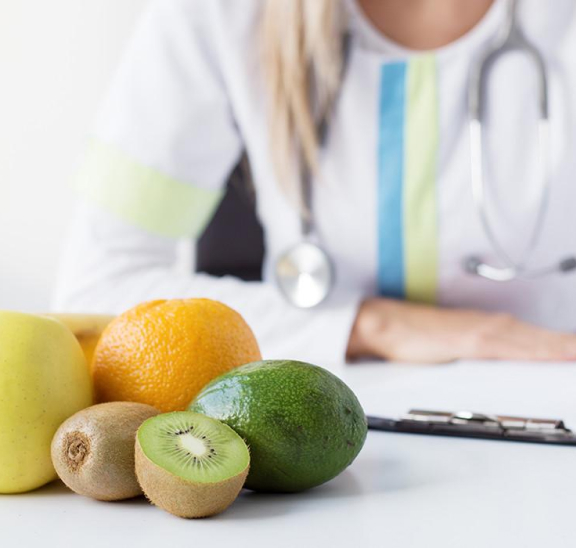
[[510, 39], [305, 273]]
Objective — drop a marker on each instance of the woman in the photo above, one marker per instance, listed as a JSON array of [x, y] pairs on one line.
[[205, 80]]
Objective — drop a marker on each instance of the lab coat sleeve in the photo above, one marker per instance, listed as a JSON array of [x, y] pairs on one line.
[[109, 266], [163, 147], [165, 139]]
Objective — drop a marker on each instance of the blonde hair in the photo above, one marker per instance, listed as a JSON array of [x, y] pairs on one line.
[[303, 65]]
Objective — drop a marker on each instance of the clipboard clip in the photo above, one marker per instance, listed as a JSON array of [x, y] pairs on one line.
[[467, 424], [489, 423]]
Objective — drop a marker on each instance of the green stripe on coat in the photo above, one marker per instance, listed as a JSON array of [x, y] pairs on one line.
[[144, 196], [420, 175]]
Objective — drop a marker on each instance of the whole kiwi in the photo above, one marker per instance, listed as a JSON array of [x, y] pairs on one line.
[[93, 451]]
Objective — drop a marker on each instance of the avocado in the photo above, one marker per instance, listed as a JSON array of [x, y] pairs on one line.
[[303, 425]]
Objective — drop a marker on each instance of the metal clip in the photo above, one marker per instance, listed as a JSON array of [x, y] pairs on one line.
[[505, 424]]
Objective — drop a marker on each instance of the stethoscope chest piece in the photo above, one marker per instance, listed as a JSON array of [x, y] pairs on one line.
[[305, 275]]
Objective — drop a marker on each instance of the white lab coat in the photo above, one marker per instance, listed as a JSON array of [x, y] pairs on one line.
[[189, 97]]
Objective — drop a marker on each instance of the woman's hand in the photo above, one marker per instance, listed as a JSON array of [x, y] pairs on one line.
[[406, 332]]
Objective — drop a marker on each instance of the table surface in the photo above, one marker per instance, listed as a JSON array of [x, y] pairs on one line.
[[403, 491]]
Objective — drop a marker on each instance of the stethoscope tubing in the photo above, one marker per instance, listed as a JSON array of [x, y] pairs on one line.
[[510, 39]]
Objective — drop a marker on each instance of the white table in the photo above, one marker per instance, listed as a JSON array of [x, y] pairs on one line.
[[403, 491]]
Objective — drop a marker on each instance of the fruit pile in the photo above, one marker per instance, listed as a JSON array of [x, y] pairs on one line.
[[187, 412]]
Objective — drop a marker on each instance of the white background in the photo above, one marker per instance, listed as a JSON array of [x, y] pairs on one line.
[[56, 60]]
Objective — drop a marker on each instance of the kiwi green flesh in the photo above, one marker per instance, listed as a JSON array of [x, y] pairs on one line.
[[193, 447]]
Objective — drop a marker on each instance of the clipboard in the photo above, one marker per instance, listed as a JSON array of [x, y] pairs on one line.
[[467, 424]]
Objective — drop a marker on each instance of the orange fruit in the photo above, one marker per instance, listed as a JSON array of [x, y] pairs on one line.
[[164, 352]]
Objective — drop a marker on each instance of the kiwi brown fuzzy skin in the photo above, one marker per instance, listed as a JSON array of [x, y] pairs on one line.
[[184, 498], [93, 451]]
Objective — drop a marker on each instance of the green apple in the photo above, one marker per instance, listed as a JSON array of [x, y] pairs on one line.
[[44, 379]]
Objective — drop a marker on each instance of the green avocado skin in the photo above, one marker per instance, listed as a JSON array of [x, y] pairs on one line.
[[303, 425]]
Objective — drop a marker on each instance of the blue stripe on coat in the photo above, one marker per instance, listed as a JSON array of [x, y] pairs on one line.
[[391, 279]]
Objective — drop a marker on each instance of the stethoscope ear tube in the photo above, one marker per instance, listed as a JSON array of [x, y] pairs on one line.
[[511, 39]]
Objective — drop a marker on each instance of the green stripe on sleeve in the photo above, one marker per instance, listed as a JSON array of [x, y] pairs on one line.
[[420, 200], [143, 196]]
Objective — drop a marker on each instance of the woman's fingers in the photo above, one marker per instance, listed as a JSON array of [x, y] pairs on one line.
[[506, 338]]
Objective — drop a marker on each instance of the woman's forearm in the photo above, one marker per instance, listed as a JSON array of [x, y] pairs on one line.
[[408, 332]]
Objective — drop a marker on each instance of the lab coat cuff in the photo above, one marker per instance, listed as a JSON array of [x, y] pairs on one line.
[[340, 319]]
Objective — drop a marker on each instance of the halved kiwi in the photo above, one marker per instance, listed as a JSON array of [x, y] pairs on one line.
[[190, 465]]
